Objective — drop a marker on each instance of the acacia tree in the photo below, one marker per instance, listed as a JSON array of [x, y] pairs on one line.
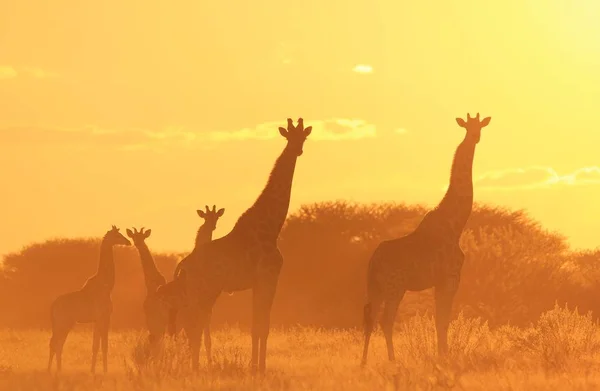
[[513, 271]]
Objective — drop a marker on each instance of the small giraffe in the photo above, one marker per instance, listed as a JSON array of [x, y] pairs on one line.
[[204, 235], [154, 309], [428, 257], [246, 258], [90, 304]]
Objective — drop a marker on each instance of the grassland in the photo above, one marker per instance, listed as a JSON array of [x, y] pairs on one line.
[[559, 352]]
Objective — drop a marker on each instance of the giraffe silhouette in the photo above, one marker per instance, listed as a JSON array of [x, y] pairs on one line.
[[204, 235], [245, 258], [90, 304], [154, 310], [428, 257]]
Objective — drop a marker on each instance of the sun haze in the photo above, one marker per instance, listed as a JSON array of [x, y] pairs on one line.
[[138, 113]]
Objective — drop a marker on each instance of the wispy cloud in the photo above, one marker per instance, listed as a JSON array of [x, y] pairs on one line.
[[9, 72], [39, 73], [536, 177], [363, 68], [337, 129]]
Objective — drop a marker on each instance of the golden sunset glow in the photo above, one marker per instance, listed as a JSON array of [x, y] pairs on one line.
[[138, 113]]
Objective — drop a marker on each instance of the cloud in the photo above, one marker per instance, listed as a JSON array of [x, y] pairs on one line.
[[363, 68], [536, 177], [401, 131], [337, 129], [39, 73], [9, 72]]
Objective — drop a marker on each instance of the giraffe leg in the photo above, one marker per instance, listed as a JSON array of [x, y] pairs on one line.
[[387, 323], [95, 345], [443, 306], [57, 341], [370, 314], [196, 320], [261, 322], [262, 301], [191, 327], [58, 348], [104, 338], [208, 342]]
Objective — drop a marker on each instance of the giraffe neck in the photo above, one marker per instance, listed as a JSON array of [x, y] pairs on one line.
[[204, 235], [152, 276], [106, 265], [269, 211], [457, 203]]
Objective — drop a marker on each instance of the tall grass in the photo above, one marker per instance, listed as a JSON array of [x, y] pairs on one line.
[[559, 351]]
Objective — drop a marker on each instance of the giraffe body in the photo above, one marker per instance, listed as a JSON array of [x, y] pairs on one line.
[[428, 257], [246, 258], [204, 235], [90, 304]]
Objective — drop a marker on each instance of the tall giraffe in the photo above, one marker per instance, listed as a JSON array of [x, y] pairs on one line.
[[154, 310], [204, 235], [428, 257], [246, 258], [90, 304]]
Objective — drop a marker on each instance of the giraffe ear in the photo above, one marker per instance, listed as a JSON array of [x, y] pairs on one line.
[[129, 233], [461, 122], [307, 131], [147, 233], [485, 121], [220, 212], [283, 132], [201, 213]]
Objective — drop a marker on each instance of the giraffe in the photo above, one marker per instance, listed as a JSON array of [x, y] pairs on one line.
[[245, 258], [428, 257], [204, 235], [90, 304], [154, 310]]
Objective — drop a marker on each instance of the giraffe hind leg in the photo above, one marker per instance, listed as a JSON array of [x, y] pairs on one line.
[[387, 323], [370, 314], [57, 342]]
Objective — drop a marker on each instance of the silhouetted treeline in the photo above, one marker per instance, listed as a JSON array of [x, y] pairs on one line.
[[514, 270]]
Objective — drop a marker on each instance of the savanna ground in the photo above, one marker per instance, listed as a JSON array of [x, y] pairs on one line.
[[558, 352]]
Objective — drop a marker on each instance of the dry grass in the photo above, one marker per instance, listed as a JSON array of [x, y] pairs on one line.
[[560, 352]]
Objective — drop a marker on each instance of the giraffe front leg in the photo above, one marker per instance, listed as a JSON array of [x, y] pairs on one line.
[[95, 346], [104, 340], [208, 342], [191, 327], [444, 297], [197, 318], [262, 302]]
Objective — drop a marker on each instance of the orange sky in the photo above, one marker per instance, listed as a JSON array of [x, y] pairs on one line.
[[140, 112]]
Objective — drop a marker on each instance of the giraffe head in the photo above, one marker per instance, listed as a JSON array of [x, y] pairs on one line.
[[211, 216], [140, 236], [473, 126], [295, 135], [115, 238]]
